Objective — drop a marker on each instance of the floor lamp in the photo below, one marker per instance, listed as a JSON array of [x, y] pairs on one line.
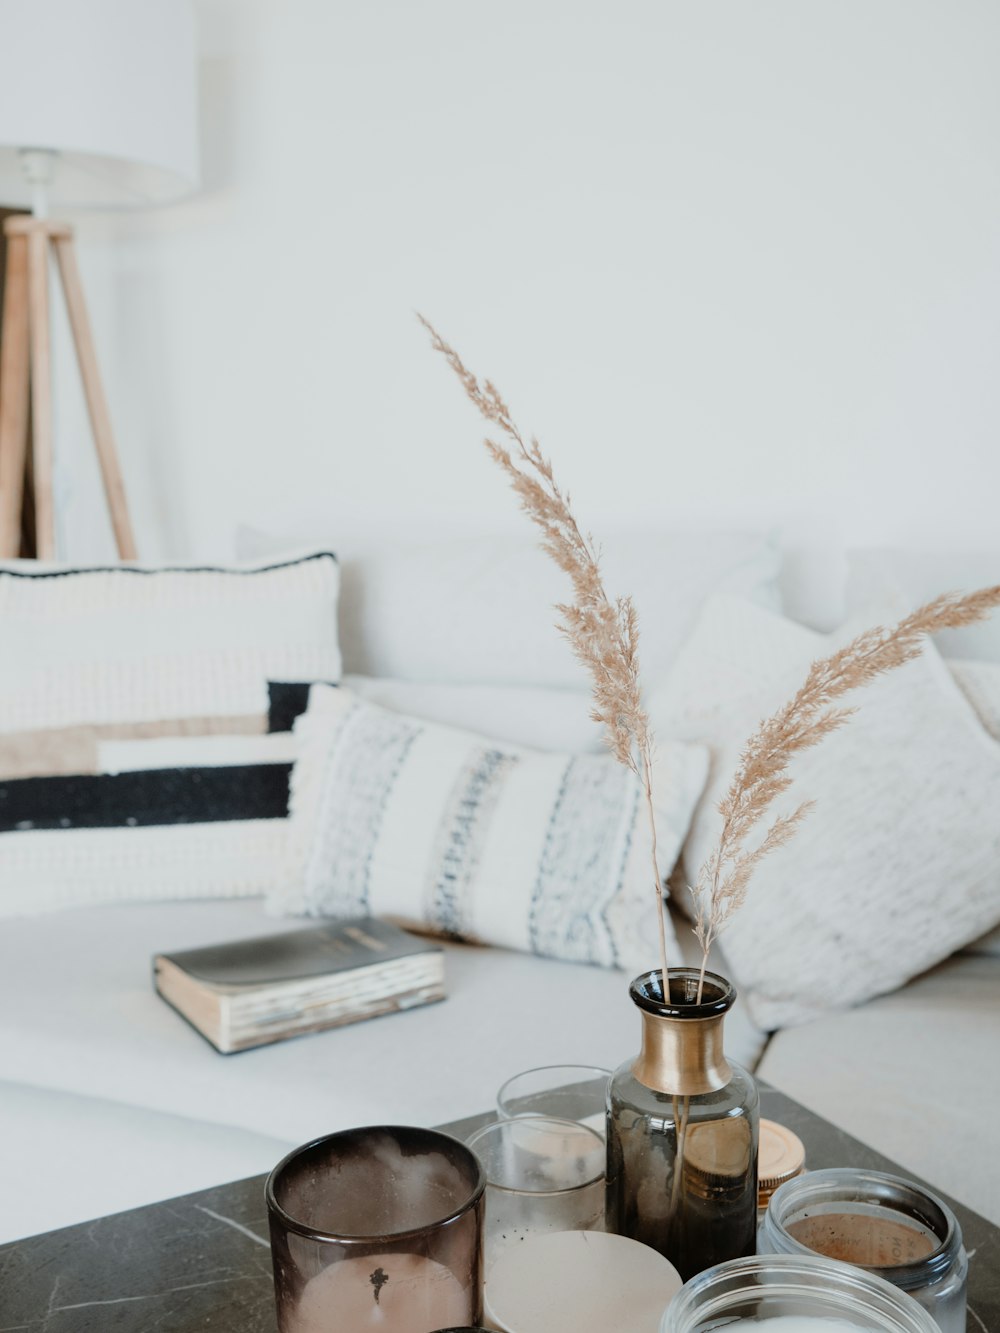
[[97, 110]]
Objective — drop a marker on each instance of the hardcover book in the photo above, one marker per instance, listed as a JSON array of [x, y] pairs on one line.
[[252, 992]]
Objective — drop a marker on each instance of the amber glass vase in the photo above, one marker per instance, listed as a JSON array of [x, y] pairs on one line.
[[682, 1130]]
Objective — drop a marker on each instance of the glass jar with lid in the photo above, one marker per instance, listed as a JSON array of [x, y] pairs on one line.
[[806, 1293], [881, 1223]]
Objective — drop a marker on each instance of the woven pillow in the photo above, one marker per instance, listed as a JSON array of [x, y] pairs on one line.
[[476, 839], [187, 817], [93, 646], [896, 867], [133, 702]]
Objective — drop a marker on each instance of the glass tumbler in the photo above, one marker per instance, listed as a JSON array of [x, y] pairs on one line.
[[377, 1228], [566, 1092], [805, 1293], [542, 1175]]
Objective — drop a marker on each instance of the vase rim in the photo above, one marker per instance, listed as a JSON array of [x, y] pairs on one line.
[[718, 995]]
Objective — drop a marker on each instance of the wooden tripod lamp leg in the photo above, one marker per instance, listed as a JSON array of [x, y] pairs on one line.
[[41, 393], [100, 417], [13, 396]]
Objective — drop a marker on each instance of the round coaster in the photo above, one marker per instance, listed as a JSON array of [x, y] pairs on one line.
[[589, 1281]]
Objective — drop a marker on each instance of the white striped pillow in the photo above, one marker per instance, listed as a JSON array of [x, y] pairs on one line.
[[478, 839]]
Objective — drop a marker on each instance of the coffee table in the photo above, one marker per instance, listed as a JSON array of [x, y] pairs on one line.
[[202, 1262]]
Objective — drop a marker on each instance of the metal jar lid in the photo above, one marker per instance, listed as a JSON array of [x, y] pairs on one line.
[[781, 1157]]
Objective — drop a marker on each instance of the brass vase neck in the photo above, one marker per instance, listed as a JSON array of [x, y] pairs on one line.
[[682, 1052]]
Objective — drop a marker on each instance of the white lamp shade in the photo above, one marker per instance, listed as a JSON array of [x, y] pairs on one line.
[[110, 86]]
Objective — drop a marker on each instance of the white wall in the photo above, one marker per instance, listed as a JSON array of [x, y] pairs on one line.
[[732, 260]]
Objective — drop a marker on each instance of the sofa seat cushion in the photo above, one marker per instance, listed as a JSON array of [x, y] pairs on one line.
[[100, 1157], [78, 1012], [914, 1074]]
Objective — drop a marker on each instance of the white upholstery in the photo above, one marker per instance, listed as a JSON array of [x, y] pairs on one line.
[[78, 1013], [101, 1157], [542, 717], [915, 1074], [479, 610], [95, 1063]]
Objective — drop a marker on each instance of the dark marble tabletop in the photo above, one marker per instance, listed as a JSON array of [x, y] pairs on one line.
[[202, 1262]]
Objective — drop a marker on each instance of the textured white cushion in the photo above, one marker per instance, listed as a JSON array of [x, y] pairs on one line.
[[479, 610], [476, 839], [898, 865], [914, 1074], [980, 683], [882, 576], [546, 719], [139, 643], [157, 821]]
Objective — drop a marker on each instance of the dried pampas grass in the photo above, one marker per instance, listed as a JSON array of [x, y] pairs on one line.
[[721, 886], [603, 634]]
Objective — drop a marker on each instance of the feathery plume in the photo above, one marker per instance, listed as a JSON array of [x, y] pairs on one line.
[[603, 634]]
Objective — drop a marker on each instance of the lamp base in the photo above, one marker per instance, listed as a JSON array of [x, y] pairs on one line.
[[26, 371]]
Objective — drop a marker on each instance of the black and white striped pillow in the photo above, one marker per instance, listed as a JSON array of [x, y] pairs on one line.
[[144, 769]]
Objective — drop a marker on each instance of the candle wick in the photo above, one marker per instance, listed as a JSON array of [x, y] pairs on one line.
[[378, 1280]]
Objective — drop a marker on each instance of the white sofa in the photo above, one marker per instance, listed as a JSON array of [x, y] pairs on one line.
[[108, 1100]]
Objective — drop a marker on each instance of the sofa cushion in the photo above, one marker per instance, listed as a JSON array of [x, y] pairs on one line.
[[899, 863], [476, 839], [878, 575], [101, 1157], [140, 643], [541, 717], [479, 610], [914, 1074], [78, 1012]]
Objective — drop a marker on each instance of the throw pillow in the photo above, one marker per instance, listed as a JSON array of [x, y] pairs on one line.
[[899, 863], [477, 839], [133, 702], [142, 644], [172, 818], [911, 577]]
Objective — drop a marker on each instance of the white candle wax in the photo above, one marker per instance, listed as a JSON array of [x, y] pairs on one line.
[[586, 1281], [387, 1293]]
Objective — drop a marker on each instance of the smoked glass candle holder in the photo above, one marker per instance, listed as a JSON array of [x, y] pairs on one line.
[[882, 1223], [542, 1175], [806, 1293], [565, 1092], [377, 1228]]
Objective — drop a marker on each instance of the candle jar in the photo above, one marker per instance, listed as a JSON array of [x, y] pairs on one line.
[[806, 1293], [682, 1129], [377, 1228], [881, 1223], [542, 1175]]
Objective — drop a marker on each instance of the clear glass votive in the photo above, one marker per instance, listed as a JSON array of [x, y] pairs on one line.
[[883, 1224], [377, 1228], [542, 1175], [806, 1293], [566, 1092]]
